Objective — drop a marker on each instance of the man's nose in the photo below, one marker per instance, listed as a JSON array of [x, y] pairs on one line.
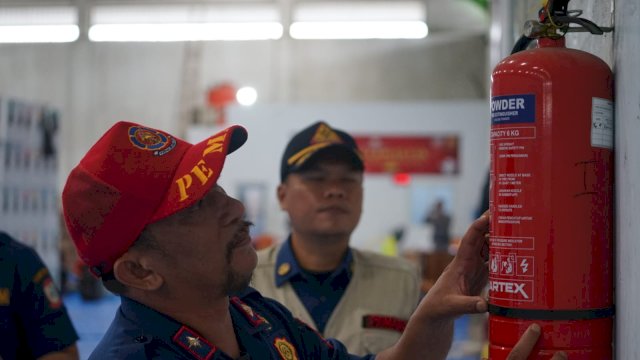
[[334, 190], [235, 211]]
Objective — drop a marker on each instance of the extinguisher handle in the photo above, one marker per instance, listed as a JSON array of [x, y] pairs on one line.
[[584, 25], [554, 15]]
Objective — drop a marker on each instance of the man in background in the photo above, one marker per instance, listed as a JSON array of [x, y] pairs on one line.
[[361, 298], [34, 323], [441, 221]]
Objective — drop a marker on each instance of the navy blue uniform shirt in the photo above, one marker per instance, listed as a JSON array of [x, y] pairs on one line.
[[33, 319], [265, 330], [320, 293]]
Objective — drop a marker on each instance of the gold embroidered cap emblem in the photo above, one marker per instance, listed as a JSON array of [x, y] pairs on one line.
[[325, 134]]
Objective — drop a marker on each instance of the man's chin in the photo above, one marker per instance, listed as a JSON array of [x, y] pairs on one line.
[[244, 259], [330, 233], [238, 282]]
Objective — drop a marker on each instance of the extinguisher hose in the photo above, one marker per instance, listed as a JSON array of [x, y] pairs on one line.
[[522, 44]]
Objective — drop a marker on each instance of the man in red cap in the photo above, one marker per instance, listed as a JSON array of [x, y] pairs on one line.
[[146, 214]]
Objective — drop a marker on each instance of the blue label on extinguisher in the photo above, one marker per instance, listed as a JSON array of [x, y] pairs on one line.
[[511, 109]]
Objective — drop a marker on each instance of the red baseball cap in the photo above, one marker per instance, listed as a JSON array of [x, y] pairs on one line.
[[133, 176]]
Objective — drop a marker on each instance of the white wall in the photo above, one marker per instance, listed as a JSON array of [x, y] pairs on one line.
[[626, 57], [385, 204], [621, 50], [97, 84]]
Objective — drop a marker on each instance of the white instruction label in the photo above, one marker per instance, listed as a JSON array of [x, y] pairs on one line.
[[602, 123]]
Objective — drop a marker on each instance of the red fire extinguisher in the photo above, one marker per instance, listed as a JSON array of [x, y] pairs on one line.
[[551, 200]]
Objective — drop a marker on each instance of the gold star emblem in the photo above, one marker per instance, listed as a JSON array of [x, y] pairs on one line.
[[193, 342], [284, 269]]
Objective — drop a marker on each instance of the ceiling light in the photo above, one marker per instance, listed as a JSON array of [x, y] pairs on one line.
[[359, 20], [38, 24], [185, 32], [359, 30], [246, 96], [195, 22]]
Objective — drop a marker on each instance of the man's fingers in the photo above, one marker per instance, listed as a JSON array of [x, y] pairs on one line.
[[485, 248], [526, 343], [460, 305], [474, 239]]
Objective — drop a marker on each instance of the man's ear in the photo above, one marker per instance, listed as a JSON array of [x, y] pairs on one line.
[[134, 270], [281, 192]]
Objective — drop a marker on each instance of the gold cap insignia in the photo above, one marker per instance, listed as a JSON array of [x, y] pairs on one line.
[[325, 134]]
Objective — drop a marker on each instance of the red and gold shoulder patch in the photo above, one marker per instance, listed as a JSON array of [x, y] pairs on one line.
[[5, 297], [286, 350], [51, 293], [254, 318], [41, 274]]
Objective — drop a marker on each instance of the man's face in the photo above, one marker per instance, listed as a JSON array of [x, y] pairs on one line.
[[323, 200], [207, 246]]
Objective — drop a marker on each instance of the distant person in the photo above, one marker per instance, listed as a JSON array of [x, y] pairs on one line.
[[361, 298], [34, 323], [441, 222]]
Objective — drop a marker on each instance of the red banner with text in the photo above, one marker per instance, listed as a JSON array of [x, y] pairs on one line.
[[410, 154]]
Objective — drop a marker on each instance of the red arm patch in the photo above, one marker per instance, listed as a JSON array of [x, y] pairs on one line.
[[383, 322]]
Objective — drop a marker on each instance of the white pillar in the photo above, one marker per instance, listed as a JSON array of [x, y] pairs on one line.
[[627, 157]]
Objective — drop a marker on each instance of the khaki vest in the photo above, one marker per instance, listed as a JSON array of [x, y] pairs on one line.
[[380, 285]]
